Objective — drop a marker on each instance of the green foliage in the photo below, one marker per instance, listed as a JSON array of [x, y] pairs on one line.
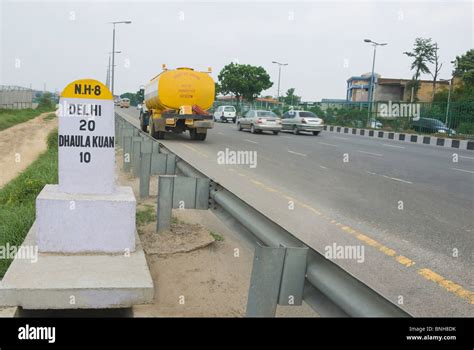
[[10, 117], [46, 102], [217, 237], [291, 99], [146, 215], [18, 197], [243, 80], [134, 98], [466, 128], [424, 52], [464, 67]]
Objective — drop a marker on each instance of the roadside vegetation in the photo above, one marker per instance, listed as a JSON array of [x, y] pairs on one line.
[[11, 117], [17, 198]]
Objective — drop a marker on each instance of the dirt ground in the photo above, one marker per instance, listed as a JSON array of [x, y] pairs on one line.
[[194, 275], [21, 144]]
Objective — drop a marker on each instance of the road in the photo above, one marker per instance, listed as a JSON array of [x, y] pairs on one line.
[[410, 206]]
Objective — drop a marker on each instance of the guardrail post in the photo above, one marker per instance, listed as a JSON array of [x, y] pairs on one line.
[[165, 202], [265, 281], [145, 167]]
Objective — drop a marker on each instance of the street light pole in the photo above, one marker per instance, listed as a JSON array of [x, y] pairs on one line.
[[279, 75], [113, 51], [372, 80], [450, 81]]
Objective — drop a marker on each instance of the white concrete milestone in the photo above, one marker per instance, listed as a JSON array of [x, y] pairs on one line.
[[86, 137], [86, 212], [87, 219], [78, 223]]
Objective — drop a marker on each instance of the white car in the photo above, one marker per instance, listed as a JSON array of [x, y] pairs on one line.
[[258, 121], [225, 114], [297, 121]]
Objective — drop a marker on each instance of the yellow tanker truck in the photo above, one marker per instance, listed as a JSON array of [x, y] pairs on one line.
[[177, 100]]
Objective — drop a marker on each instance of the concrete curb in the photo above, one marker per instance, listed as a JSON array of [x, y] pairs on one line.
[[404, 137]]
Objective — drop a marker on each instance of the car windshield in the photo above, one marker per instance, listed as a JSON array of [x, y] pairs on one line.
[[435, 122], [229, 109], [308, 115], [266, 114]]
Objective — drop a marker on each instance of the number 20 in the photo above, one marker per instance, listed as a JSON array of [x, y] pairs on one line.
[[90, 125]]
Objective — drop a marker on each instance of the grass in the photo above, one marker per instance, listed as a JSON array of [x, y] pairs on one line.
[[145, 215], [10, 117], [217, 237], [18, 197]]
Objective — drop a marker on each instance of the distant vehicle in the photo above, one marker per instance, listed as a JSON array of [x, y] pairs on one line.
[[258, 121], [225, 114], [124, 103], [430, 125], [297, 121]]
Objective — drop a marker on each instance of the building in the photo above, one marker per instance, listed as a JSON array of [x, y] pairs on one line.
[[389, 89], [15, 97]]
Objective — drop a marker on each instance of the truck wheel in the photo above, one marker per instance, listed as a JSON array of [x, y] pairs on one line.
[[316, 133], [159, 135], [252, 129], [295, 130], [201, 137], [239, 127], [275, 132]]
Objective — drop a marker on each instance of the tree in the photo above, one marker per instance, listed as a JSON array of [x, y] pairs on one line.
[[422, 54], [243, 80], [291, 98], [45, 101], [132, 97], [464, 67], [437, 67]]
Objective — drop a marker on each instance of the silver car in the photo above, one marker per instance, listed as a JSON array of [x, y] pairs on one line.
[[297, 121], [258, 121]]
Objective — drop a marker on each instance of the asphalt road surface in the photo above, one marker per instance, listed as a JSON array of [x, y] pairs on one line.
[[409, 206]]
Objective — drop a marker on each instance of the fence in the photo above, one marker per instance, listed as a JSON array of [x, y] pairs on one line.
[[389, 116], [283, 265], [15, 97]]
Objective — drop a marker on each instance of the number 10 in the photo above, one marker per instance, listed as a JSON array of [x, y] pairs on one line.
[[85, 157]]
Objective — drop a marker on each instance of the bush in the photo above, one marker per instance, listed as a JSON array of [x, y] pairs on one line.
[[466, 128]]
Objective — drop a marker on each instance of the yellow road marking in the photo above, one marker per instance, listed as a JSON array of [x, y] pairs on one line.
[[450, 286], [428, 274], [404, 260]]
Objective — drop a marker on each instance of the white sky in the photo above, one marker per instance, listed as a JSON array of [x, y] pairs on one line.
[[57, 42]]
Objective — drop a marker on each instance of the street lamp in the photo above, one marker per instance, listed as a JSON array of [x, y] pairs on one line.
[[113, 50], [109, 69], [279, 75], [371, 87], [449, 97]]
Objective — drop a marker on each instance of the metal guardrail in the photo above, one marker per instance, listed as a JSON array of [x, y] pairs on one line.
[[329, 289]]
